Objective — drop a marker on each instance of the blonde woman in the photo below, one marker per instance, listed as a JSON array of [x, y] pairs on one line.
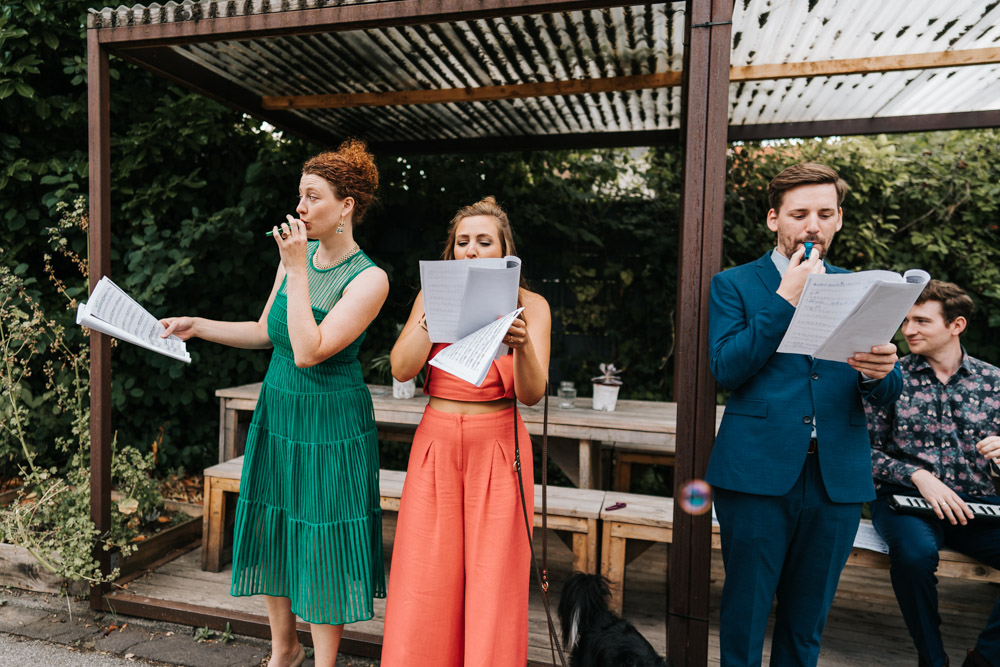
[[458, 591]]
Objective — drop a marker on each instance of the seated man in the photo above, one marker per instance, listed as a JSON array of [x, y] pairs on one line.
[[937, 441]]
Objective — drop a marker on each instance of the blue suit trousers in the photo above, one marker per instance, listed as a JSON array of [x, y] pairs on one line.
[[790, 547], [914, 542]]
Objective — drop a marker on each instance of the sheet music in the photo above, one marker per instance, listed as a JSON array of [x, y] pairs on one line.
[[876, 317], [840, 314], [868, 538], [111, 311], [462, 296], [490, 294], [442, 301], [469, 359]]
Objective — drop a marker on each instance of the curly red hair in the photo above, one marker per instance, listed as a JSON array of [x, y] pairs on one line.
[[351, 172]]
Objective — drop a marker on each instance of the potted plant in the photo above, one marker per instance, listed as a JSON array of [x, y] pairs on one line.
[[606, 387], [380, 365]]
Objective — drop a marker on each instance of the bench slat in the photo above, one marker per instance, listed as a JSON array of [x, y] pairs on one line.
[[231, 469]]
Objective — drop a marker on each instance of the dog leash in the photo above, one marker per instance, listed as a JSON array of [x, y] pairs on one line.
[[541, 574]]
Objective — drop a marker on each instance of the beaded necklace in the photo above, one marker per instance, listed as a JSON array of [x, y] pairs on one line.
[[343, 258]]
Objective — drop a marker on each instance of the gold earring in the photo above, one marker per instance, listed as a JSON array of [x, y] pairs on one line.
[[340, 227]]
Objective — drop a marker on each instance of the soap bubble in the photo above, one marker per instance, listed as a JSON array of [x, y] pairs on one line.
[[696, 497]]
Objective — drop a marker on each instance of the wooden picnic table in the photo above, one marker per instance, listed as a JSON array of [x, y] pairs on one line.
[[573, 433]]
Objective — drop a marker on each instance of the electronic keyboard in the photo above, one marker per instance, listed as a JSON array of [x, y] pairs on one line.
[[917, 505]]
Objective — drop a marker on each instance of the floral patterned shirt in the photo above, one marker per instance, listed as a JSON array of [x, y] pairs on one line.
[[936, 426]]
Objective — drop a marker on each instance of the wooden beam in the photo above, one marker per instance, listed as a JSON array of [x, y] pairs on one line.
[[637, 82], [870, 65], [527, 142], [473, 94], [705, 107], [99, 257], [362, 16], [821, 128], [963, 120], [239, 622]]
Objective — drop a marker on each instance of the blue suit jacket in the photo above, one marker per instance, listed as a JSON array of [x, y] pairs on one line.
[[764, 437]]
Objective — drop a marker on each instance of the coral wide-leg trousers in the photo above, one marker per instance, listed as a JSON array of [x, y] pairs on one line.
[[458, 585]]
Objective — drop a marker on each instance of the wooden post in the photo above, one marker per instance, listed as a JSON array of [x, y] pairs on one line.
[[99, 133], [705, 97]]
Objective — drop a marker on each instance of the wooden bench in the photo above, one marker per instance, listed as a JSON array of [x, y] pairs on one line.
[[645, 519], [573, 511], [950, 564], [220, 480], [649, 519], [578, 513]]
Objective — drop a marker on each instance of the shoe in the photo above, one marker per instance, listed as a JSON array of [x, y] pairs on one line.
[[976, 659]]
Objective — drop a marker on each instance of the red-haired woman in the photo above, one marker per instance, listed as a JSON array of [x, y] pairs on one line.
[[308, 523], [458, 588]]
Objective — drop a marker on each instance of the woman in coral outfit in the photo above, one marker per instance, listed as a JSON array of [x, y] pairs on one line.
[[458, 585]]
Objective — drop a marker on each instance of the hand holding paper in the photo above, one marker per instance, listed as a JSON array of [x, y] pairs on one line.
[[840, 314], [460, 297], [113, 312], [469, 359]]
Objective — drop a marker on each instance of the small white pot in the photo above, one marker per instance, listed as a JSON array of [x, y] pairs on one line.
[[403, 389], [605, 397]]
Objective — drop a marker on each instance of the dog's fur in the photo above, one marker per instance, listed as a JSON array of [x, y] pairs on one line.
[[594, 636]]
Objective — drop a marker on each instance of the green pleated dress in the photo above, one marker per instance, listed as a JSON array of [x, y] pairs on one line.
[[308, 521]]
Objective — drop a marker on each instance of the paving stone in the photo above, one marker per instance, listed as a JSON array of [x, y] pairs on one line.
[[76, 634], [246, 655], [186, 652], [14, 618], [121, 641], [48, 628]]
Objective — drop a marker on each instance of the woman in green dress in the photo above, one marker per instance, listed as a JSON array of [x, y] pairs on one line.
[[308, 530]]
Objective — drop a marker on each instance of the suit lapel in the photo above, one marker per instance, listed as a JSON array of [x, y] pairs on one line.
[[768, 272]]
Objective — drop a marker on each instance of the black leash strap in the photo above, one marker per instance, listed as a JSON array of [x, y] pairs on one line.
[[541, 575]]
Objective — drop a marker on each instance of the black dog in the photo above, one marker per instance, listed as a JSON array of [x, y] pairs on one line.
[[595, 637]]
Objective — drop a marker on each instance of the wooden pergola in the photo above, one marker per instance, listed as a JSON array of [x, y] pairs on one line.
[[454, 75]]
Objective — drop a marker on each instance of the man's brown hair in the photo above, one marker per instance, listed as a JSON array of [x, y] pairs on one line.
[[804, 173], [954, 301]]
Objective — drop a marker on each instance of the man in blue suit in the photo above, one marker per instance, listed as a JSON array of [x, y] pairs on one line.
[[791, 464]]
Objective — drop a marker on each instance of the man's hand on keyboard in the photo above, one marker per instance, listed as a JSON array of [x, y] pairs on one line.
[[945, 502]]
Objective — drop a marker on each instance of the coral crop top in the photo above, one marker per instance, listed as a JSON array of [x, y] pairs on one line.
[[499, 382]]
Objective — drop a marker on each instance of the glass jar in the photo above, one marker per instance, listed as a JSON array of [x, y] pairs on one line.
[[567, 395]]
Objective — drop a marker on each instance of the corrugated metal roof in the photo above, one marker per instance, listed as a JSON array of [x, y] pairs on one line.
[[596, 43], [783, 31]]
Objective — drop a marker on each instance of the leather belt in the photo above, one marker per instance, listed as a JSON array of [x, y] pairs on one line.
[[812, 445]]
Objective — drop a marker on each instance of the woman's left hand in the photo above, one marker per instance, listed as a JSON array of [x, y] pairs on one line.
[[292, 243], [517, 336]]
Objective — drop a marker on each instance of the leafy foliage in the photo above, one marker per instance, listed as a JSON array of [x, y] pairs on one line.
[[50, 517], [191, 181]]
